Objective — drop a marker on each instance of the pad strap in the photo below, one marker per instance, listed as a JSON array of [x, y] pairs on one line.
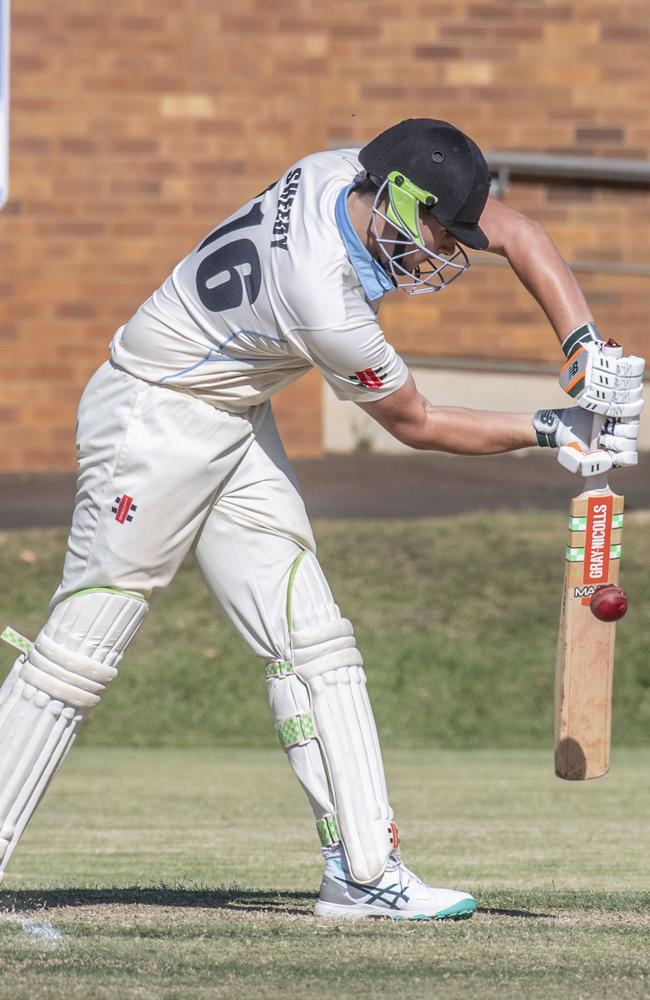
[[296, 731], [15, 639], [328, 831]]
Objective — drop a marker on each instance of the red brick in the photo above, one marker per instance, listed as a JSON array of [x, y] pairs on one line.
[[112, 181], [599, 134], [437, 52], [78, 147]]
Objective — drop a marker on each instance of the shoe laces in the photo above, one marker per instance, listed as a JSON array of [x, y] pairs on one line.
[[395, 862]]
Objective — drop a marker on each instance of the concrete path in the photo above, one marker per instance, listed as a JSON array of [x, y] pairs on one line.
[[371, 485]]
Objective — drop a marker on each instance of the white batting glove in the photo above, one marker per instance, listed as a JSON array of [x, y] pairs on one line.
[[619, 437], [600, 378], [571, 430]]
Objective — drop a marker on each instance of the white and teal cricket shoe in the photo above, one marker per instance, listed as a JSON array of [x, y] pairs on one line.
[[397, 894]]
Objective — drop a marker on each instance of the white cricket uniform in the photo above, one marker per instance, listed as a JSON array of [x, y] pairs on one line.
[[178, 450], [177, 444], [269, 294]]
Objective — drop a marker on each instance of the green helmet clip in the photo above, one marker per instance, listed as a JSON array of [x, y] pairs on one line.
[[404, 200]]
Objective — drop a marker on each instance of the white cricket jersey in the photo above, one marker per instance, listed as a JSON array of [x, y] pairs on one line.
[[269, 294]]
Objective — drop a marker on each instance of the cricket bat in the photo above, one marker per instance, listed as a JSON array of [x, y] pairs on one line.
[[585, 650]]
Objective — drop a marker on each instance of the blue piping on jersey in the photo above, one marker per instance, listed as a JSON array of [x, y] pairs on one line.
[[374, 280], [209, 357]]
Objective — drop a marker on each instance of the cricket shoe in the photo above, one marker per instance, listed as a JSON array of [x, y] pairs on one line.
[[398, 894]]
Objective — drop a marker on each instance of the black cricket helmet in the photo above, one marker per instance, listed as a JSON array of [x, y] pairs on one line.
[[427, 162]]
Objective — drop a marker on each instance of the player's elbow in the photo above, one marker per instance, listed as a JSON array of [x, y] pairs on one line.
[[420, 426], [403, 414], [533, 231], [409, 433], [527, 236], [439, 428]]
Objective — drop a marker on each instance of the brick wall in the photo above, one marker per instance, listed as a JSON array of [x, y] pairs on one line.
[[135, 126]]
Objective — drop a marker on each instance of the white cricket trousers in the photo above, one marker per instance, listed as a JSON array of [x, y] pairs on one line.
[[160, 473]]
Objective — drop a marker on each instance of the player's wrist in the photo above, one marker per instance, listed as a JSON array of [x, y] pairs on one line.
[[545, 425], [586, 333]]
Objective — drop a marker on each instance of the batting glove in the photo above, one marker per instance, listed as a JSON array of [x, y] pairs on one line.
[[571, 430], [599, 377]]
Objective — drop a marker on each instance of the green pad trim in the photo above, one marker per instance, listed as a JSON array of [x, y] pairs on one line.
[[16, 639], [292, 576], [297, 729], [328, 830], [279, 669], [106, 590]]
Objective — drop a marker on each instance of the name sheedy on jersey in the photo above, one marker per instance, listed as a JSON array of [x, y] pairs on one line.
[[279, 287], [283, 214]]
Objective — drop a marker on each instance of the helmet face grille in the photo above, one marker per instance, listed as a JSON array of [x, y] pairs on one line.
[[434, 274]]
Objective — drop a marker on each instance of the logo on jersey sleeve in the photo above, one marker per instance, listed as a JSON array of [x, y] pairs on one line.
[[369, 378]]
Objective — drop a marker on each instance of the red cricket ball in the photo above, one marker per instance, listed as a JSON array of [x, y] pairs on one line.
[[609, 603]]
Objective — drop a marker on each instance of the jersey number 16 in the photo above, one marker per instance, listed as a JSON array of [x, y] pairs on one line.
[[219, 284]]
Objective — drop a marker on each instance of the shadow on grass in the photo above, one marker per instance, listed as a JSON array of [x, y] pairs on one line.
[[286, 903], [220, 898], [492, 911]]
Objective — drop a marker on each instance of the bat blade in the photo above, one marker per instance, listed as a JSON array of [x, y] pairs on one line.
[[585, 652]]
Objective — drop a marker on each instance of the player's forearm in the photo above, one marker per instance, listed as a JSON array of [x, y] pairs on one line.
[[538, 264], [546, 275], [467, 432]]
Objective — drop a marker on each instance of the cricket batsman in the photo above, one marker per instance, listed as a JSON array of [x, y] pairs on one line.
[[178, 451]]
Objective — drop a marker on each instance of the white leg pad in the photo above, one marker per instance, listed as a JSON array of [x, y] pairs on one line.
[[50, 691], [333, 713]]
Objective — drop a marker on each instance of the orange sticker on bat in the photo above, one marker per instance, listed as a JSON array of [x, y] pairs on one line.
[[597, 539]]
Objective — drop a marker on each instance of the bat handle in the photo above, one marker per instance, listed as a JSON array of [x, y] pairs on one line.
[[596, 427]]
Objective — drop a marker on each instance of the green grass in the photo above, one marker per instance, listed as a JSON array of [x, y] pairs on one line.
[[174, 874], [456, 618], [191, 872]]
